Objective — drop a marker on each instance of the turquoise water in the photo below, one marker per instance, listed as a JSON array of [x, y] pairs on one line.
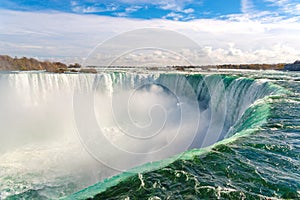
[[256, 155], [259, 160]]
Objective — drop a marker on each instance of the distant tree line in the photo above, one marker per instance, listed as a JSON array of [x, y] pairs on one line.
[[279, 66], [25, 64]]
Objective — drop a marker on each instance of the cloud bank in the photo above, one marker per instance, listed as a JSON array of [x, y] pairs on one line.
[[71, 37]]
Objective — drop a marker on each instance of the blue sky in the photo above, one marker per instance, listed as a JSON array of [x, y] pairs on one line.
[[230, 31], [149, 9]]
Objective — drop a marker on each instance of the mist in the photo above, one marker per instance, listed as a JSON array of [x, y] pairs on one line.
[[65, 132], [42, 141]]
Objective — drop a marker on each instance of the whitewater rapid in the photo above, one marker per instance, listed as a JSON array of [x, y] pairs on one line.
[[63, 132]]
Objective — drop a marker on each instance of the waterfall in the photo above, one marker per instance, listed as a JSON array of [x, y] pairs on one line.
[[86, 127]]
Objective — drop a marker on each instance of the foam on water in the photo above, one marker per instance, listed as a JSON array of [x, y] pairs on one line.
[[41, 149]]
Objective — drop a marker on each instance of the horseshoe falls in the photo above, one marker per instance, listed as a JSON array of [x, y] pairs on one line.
[[150, 135]]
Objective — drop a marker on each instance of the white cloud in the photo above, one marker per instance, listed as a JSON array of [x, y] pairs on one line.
[[189, 10], [169, 6], [174, 16], [133, 9], [128, 11], [286, 6], [172, 5], [179, 16], [272, 54], [246, 6], [74, 3], [66, 36], [79, 8], [279, 9]]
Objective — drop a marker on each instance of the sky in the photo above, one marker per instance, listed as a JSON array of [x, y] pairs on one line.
[[227, 31]]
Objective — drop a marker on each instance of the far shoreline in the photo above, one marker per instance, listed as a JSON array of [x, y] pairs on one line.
[[24, 64]]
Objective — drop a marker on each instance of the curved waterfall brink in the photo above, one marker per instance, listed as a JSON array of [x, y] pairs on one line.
[[75, 130]]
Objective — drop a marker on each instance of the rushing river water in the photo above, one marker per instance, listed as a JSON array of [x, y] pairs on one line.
[[230, 134]]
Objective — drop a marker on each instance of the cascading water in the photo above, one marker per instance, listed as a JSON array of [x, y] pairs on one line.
[[51, 146]]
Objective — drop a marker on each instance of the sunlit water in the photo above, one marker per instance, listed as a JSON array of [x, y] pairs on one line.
[[238, 132]]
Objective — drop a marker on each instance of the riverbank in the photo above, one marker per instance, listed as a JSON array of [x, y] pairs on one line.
[[8, 63]]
